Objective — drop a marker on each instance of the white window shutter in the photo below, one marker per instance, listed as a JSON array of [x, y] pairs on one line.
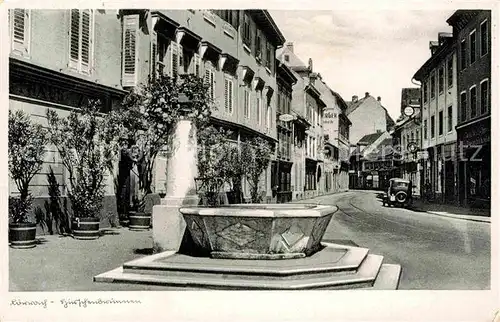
[[86, 41], [212, 84], [226, 94], [129, 64], [174, 59], [74, 38], [19, 21], [197, 67], [153, 60]]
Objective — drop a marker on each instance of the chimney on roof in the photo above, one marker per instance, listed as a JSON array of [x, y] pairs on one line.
[[310, 64], [379, 98], [433, 46], [367, 94], [379, 131], [289, 46], [354, 98], [442, 36]]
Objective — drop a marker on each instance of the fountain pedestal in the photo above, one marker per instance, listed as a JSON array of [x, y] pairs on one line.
[[260, 247]]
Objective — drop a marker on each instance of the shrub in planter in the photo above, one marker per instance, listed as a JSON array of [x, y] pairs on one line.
[[86, 146], [26, 152]]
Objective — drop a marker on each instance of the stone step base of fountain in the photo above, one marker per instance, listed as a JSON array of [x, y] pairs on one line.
[[334, 267]]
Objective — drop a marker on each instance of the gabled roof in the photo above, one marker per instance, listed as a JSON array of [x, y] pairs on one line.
[[369, 138], [382, 151], [294, 62], [351, 106]]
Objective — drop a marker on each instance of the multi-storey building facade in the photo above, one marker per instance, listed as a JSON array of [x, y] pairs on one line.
[[284, 162], [58, 60], [105, 53], [438, 77], [307, 106], [336, 139], [472, 37], [407, 139], [371, 162], [367, 115]]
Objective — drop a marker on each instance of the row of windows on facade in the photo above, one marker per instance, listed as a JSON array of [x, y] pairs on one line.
[[468, 54], [469, 47], [441, 77], [81, 35], [440, 124], [377, 165], [181, 60], [262, 49], [469, 109]]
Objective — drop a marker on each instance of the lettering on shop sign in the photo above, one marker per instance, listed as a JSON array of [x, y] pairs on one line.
[[476, 135], [328, 117], [49, 93]]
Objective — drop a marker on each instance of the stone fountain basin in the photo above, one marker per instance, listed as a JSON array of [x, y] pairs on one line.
[[258, 231]]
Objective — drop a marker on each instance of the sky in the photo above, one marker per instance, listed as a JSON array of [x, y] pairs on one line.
[[364, 51]]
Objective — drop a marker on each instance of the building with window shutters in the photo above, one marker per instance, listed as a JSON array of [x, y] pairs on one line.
[[307, 171], [472, 37], [59, 58], [438, 78]]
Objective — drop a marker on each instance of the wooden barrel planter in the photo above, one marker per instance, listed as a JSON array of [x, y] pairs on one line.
[[139, 220], [22, 235], [85, 228]]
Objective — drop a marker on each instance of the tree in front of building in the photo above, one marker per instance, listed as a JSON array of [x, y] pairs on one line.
[[218, 164], [255, 156], [86, 147], [147, 119], [26, 154]]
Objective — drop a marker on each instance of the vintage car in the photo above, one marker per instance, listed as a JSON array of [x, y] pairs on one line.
[[399, 193]]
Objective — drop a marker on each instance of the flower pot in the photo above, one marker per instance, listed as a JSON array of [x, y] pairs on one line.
[[22, 235], [124, 220], [85, 228], [139, 221]]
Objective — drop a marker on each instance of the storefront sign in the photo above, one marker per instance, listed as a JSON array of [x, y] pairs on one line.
[[50, 93], [422, 155], [476, 134]]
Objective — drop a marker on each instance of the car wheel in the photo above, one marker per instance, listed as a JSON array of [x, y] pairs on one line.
[[401, 197]]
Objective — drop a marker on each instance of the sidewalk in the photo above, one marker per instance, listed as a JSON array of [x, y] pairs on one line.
[[452, 211]]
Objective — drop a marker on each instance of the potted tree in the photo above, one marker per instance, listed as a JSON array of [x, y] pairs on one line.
[[26, 153], [86, 146], [147, 118], [257, 153]]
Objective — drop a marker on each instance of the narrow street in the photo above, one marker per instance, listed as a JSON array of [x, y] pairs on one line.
[[436, 253]]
